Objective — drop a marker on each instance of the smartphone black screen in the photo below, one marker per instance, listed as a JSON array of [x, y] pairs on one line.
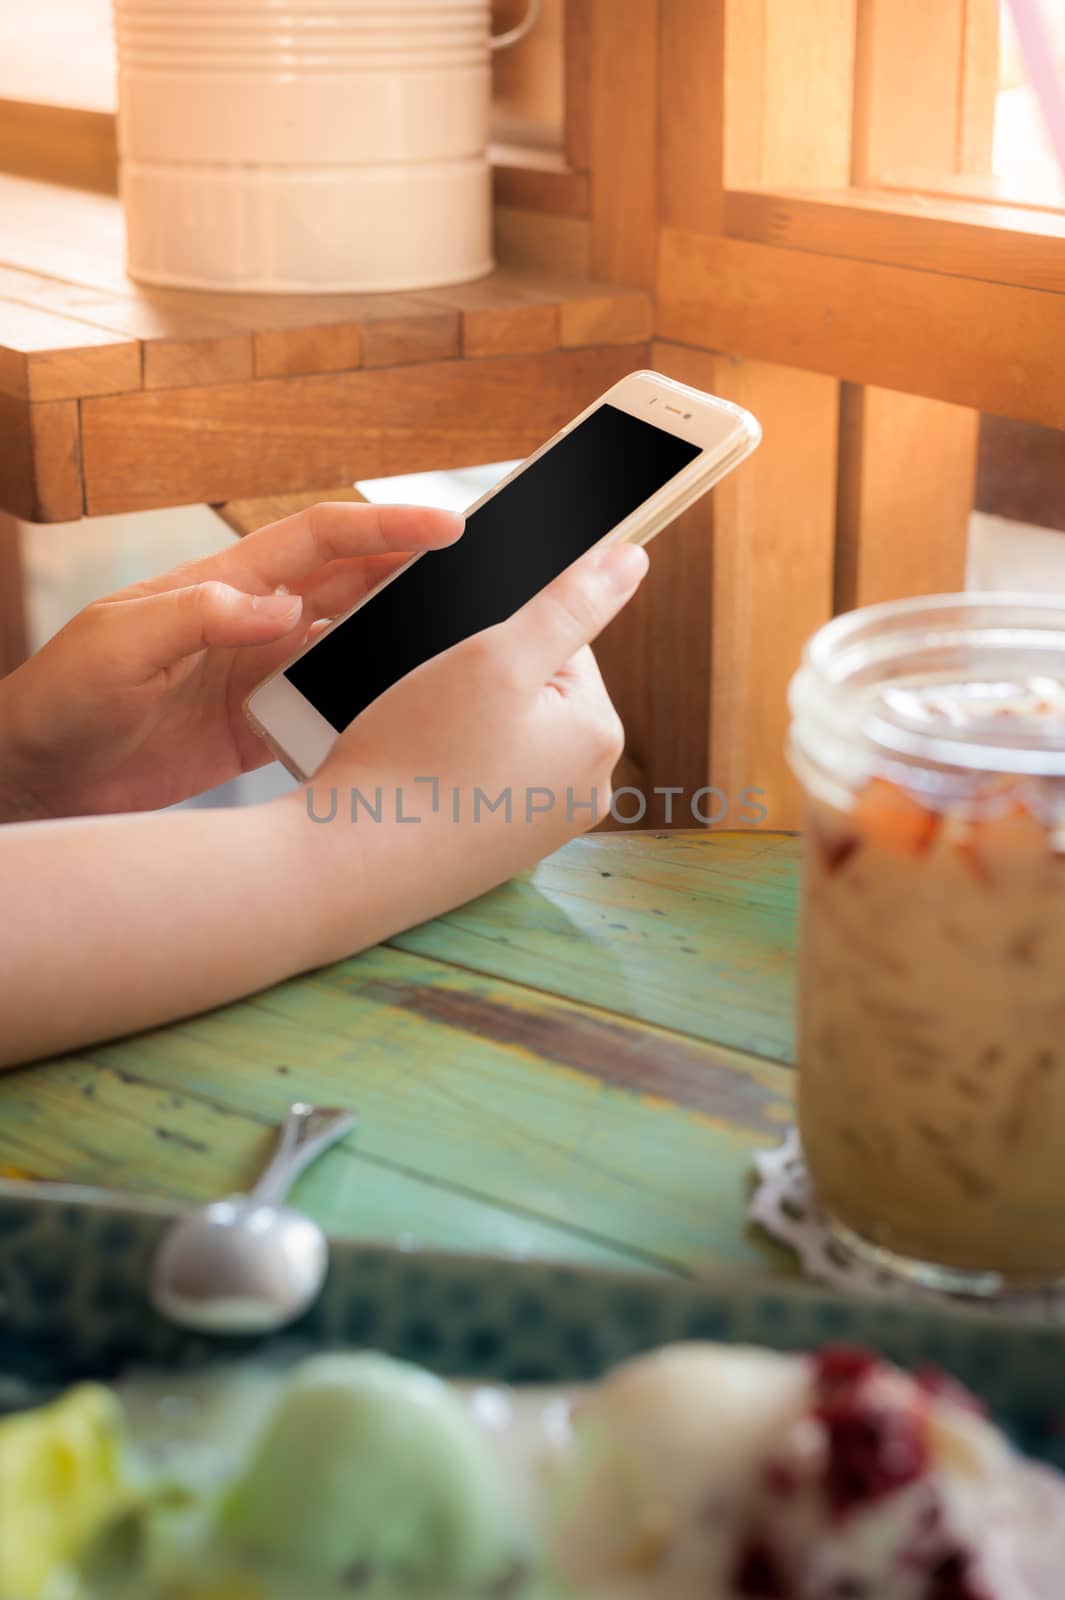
[[512, 547]]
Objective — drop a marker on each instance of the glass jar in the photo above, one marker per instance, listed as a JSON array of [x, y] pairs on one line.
[[929, 738]]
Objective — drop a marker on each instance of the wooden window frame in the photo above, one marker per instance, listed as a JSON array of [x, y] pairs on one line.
[[953, 217], [798, 234]]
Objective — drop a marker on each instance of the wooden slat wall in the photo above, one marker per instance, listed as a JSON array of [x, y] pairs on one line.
[[788, 92], [894, 75], [925, 86], [745, 95], [979, 85], [856, 498], [1021, 472], [576, 97], [60, 144], [624, 126], [528, 77], [908, 462], [691, 127], [748, 583], [907, 470], [537, 240]]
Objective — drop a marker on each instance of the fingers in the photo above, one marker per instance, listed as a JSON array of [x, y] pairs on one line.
[[294, 549], [252, 666], [574, 610], [161, 629], [342, 584]]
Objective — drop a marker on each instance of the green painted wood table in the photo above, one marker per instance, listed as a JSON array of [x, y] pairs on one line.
[[577, 1066]]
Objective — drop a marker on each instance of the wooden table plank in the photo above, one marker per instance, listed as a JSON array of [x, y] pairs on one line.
[[515, 312], [592, 314], [49, 357], [196, 1146], [237, 441], [277, 335], [691, 932], [330, 333], [183, 343], [505, 314], [40, 460], [61, 232], [637, 1138], [30, 288], [512, 1108]]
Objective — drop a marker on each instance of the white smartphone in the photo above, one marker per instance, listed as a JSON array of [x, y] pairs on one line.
[[635, 459]]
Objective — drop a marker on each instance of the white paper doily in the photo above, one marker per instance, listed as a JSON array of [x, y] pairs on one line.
[[784, 1204]]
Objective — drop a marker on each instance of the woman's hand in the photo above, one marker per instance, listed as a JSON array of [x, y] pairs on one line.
[[471, 768], [136, 703], [205, 905]]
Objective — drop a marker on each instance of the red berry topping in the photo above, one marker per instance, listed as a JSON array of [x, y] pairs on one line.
[[952, 1579], [758, 1577], [781, 1480], [874, 1447], [844, 1364], [871, 1454]]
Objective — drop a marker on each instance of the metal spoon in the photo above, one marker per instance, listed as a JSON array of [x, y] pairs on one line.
[[250, 1264]]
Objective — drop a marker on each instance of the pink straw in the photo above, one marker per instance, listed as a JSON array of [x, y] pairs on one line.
[[1039, 60]]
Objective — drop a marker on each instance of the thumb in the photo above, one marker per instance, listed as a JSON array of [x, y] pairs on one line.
[[161, 629], [574, 609]]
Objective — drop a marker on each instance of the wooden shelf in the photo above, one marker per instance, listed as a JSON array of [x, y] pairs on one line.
[[990, 346], [965, 238], [116, 397], [987, 188]]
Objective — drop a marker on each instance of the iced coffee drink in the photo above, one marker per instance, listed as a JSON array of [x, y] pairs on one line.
[[930, 739]]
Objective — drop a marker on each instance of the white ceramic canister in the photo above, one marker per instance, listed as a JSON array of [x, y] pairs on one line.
[[307, 145]]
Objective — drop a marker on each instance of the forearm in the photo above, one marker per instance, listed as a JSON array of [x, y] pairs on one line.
[[114, 924]]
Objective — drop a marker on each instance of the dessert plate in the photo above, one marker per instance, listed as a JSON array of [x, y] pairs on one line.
[[75, 1263]]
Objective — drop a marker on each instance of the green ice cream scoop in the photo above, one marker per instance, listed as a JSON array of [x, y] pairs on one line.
[[369, 1466]]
